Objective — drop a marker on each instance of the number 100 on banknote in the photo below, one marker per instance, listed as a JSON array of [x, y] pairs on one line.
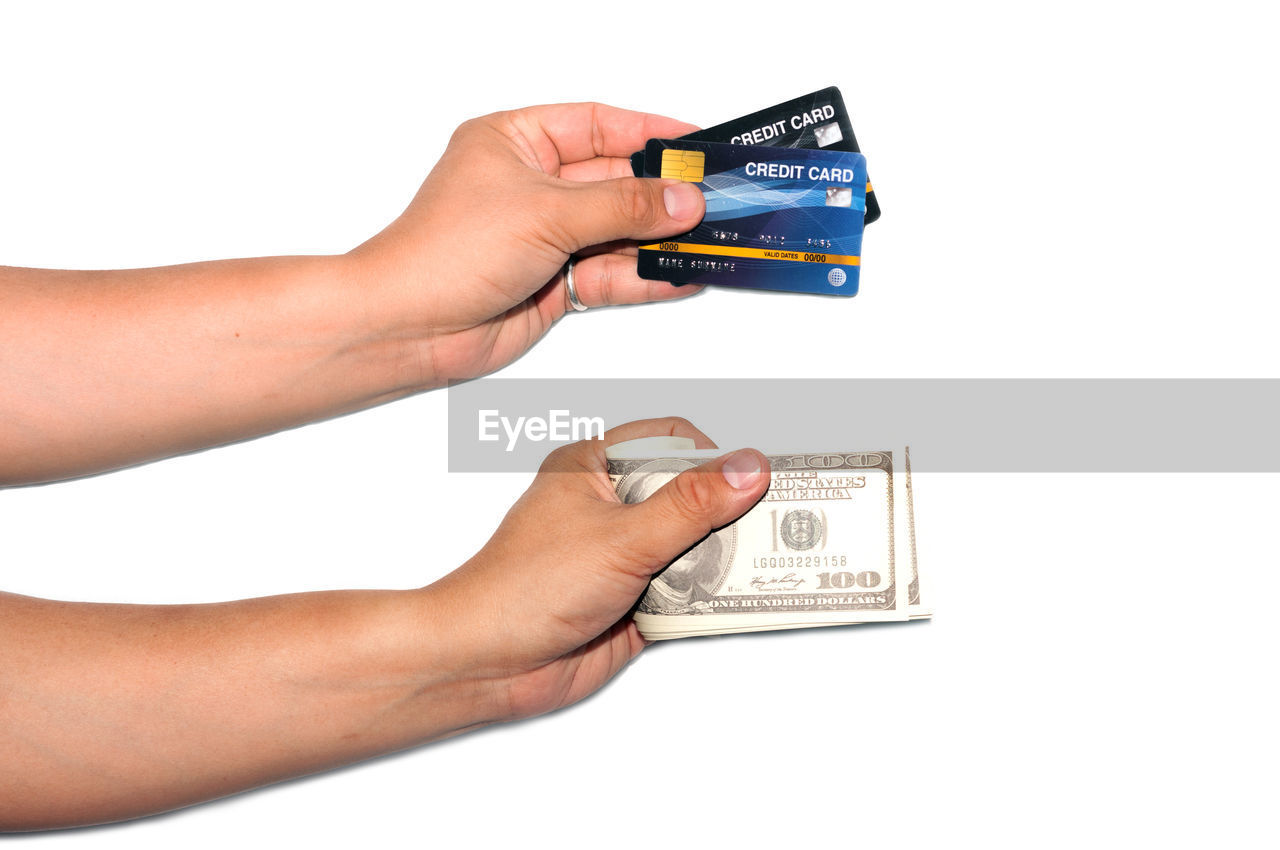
[[785, 219]]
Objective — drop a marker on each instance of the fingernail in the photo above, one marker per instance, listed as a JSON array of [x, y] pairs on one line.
[[741, 470], [681, 199]]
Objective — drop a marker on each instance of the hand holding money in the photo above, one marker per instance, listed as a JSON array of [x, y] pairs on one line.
[[832, 542], [548, 599], [537, 619], [706, 543]]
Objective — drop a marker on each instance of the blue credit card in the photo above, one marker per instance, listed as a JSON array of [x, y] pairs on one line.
[[817, 120], [785, 219]]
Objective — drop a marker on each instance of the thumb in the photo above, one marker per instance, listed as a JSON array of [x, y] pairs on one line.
[[697, 501], [628, 208]]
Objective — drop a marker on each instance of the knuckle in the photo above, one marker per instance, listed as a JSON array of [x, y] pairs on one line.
[[693, 496], [677, 423], [597, 132], [571, 457], [607, 280], [560, 458], [466, 129], [637, 202], [552, 461], [553, 219]]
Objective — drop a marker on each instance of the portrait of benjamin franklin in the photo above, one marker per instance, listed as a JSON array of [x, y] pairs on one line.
[[690, 581]]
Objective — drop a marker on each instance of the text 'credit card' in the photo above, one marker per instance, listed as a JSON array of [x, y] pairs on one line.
[[785, 219]]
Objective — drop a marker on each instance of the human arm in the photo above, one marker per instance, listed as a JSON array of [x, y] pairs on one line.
[[101, 369], [115, 711]]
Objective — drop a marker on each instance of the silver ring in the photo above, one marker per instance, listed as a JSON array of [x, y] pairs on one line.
[[574, 300]]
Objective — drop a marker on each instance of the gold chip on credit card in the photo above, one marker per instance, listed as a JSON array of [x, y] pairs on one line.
[[683, 165]]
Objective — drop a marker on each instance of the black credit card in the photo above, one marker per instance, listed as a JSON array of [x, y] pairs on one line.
[[817, 120]]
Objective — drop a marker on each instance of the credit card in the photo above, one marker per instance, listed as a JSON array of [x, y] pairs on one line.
[[786, 219], [817, 121]]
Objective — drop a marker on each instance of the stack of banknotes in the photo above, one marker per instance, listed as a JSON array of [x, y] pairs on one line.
[[831, 543]]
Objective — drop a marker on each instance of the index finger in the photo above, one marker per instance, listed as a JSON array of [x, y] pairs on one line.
[[582, 131], [588, 455], [667, 426]]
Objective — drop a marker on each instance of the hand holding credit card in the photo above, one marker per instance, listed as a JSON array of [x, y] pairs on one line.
[[777, 218], [787, 197]]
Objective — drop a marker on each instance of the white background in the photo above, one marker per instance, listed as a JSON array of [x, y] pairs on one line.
[[1085, 192]]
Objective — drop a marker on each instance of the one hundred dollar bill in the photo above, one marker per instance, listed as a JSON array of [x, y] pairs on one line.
[[832, 542]]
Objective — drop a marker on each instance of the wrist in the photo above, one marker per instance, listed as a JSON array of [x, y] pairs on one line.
[[388, 293], [394, 673], [447, 683], [487, 647]]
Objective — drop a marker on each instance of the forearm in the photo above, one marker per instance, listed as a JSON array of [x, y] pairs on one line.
[[114, 711], [101, 369]]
